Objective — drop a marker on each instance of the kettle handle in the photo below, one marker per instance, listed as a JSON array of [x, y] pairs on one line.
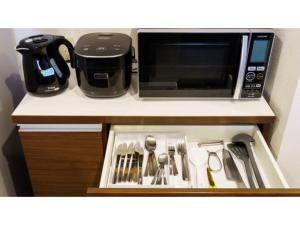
[[63, 41]]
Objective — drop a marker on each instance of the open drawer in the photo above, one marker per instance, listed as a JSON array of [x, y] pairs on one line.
[[274, 180]]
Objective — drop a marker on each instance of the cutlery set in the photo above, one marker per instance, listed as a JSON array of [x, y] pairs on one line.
[[129, 162], [161, 165]]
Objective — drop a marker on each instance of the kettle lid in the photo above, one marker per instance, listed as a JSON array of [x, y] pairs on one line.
[[37, 41]]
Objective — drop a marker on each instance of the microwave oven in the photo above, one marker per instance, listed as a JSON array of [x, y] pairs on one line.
[[203, 63]]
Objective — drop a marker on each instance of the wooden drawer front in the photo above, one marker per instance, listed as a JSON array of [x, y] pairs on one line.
[[268, 167], [63, 163]]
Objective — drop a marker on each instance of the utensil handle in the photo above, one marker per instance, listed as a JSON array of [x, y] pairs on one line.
[[249, 173], [154, 163], [159, 177], [147, 169], [120, 171], [175, 170], [155, 177], [183, 169], [116, 169], [126, 169], [141, 158], [187, 173], [171, 167], [254, 166], [211, 182], [164, 176]]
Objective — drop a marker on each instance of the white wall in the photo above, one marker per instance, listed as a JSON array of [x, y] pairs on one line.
[[289, 155], [283, 93], [8, 76], [282, 82]]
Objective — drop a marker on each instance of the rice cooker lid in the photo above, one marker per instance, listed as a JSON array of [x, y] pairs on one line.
[[103, 45]]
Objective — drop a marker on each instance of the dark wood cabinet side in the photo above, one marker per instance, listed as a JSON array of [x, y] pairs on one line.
[[63, 163]]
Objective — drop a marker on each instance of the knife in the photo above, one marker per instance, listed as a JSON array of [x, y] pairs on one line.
[[117, 165], [140, 151], [231, 171]]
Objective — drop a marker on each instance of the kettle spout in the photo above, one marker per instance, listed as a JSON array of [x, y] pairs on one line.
[[22, 50]]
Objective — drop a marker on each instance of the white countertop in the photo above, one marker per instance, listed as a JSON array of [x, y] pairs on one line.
[[72, 102]]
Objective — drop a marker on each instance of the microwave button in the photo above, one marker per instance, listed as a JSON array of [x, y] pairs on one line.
[[261, 68], [260, 76], [250, 76], [251, 68]]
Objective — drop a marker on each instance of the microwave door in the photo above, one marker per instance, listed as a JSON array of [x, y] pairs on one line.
[[204, 65]]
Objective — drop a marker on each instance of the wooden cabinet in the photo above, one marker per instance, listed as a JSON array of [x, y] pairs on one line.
[[65, 154], [63, 163]]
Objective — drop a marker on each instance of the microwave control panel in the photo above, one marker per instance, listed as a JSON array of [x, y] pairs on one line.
[[258, 60]]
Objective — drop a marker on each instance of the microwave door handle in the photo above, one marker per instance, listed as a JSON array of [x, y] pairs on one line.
[[243, 62]]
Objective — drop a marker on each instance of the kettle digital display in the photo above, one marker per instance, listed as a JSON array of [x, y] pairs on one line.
[[46, 72]]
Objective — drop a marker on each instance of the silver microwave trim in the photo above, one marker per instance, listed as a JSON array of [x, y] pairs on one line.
[[242, 67], [193, 30]]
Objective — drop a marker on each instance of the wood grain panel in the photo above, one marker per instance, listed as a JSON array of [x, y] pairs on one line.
[[143, 120], [190, 192], [63, 163]]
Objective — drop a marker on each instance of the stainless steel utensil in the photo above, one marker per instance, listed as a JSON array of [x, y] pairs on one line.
[[215, 156], [140, 152], [173, 167], [160, 175], [151, 166], [247, 140], [231, 171], [181, 148], [135, 167], [211, 143], [242, 154], [115, 173], [127, 162], [122, 152]]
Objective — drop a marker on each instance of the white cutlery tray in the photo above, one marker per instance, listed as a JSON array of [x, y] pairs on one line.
[[197, 157], [162, 141]]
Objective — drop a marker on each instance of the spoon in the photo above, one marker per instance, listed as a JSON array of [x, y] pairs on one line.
[[151, 166], [163, 160], [160, 174]]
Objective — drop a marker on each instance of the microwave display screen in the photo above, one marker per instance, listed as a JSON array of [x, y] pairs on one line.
[[259, 51]]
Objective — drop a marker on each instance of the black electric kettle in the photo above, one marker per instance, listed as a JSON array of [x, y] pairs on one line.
[[45, 70]]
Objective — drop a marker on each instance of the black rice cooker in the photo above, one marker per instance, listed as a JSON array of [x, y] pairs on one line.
[[103, 64]]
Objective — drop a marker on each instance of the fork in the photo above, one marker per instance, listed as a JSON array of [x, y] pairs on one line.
[[173, 167], [181, 148]]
